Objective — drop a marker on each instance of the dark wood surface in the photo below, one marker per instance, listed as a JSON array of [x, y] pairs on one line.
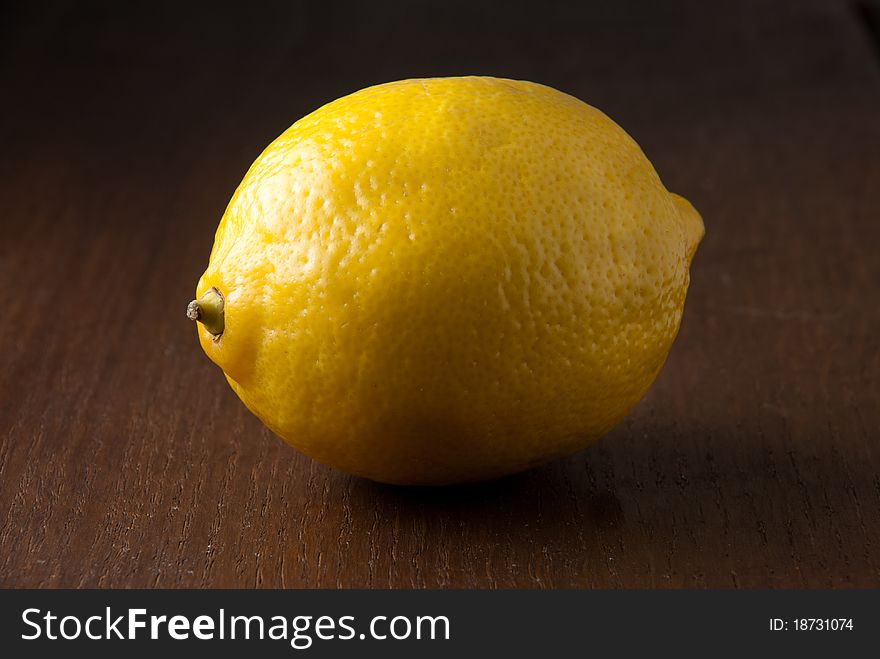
[[126, 461]]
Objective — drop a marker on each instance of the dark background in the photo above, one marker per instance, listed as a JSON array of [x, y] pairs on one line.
[[125, 460]]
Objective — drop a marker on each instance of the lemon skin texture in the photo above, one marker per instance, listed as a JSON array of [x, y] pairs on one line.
[[444, 280]]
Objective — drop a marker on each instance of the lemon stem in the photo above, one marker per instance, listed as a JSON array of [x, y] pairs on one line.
[[208, 310]]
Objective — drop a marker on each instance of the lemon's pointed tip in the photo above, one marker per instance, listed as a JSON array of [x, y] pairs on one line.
[[208, 310], [694, 227]]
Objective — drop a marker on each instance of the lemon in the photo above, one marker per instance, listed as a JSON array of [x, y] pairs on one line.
[[443, 280]]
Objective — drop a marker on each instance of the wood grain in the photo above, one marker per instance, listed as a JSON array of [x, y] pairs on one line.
[[125, 460]]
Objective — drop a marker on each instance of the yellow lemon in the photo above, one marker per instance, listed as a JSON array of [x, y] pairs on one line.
[[443, 280]]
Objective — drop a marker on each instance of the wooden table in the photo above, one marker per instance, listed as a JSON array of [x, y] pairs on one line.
[[126, 461]]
